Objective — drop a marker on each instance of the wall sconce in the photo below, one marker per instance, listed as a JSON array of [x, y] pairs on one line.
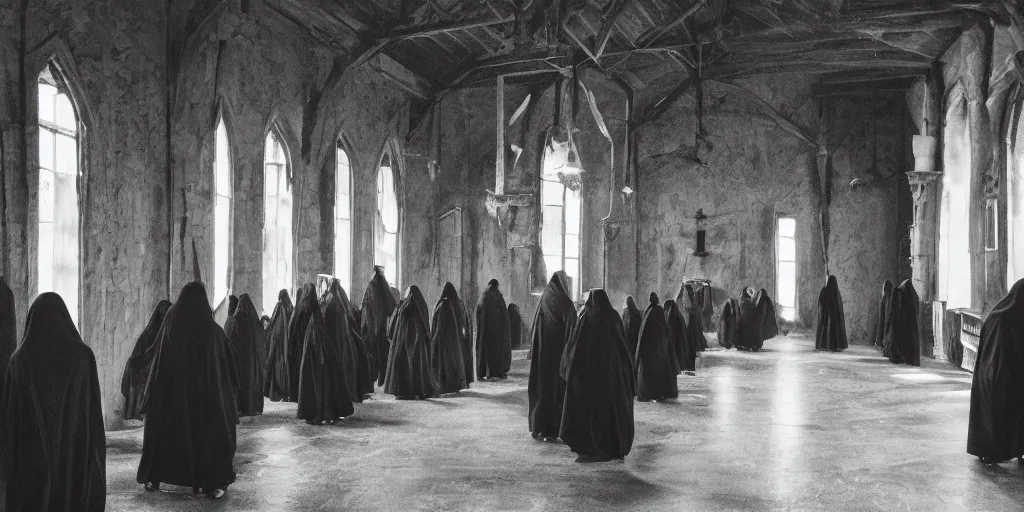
[[702, 233]]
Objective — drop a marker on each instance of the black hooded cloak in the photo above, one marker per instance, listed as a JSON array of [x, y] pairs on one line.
[[364, 377], [687, 302], [729, 325], [409, 372], [340, 328], [552, 326], [448, 363], [769, 318], [232, 305], [52, 446], [322, 392], [750, 322], [306, 306], [276, 381], [246, 335], [632, 317], [190, 407], [685, 350], [378, 305], [493, 339], [8, 327], [655, 368], [996, 429], [515, 325], [831, 330], [902, 343], [882, 320], [136, 370], [707, 307], [597, 418]]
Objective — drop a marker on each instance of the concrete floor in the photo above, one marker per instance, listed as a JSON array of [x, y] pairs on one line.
[[784, 429]]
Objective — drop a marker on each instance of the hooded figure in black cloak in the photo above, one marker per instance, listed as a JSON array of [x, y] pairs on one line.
[[682, 345], [448, 363], [8, 329], [655, 368], [306, 306], [750, 322], [597, 419], [687, 302], [409, 372], [493, 339], [246, 336], [232, 305], [902, 343], [378, 305], [515, 325], [769, 318], [996, 429], [632, 317], [729, 324], [882, 320], [552, 326], [831, 330], [340, 329], [707, 307], [136, 370], [190, 405], [52, 446], [276, 379], [323, 396]]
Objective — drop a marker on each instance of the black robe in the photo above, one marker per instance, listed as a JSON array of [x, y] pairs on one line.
[[515, 325], [323, 395], [364, 377], [597, 418], [685, 346], [493, 339], [750, 322], [466, 325], [687, 301], [707, 307], [902, 342], [276, 379], [552, 326], [136, 370], [8, 327], [232, 305], [728, 324], [882, 318], [831, 329], [246, 335], [306, 306], [655, 369], [769, 318], [409, 372], [339, 327], [996, 427], [52, 446], [189, 438], [632, 317], [448, 363], [378, 305]]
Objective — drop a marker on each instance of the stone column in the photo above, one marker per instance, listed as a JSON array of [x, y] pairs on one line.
[[925, 234]]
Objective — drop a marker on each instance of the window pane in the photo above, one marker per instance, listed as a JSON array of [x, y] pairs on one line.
[[221, 244], [344, 171], [46, 257], [787, 227], [572, 269], [46, 149], [787, 284], [222, 164], [65, 113], [46, 196], [343, 254], [551, 231], [787, 249], [552, 263], [789, 314], [572, 212], [46, 102], [572, 246], [67, 155], [552, 193]]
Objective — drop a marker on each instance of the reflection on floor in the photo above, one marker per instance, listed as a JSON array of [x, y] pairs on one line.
[[784, 429]]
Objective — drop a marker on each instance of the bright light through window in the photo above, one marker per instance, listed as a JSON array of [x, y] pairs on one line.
[[1015, 206], [955, 211], [343, 220], [560, 229], [222, 215], [58, 192], [786, 272], [386, 226], [277, 222]]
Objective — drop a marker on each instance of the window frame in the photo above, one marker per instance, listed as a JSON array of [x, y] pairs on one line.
[[223, 119], [795, 307], [389, 152], [342, 149], [576, 292], [275, 132]]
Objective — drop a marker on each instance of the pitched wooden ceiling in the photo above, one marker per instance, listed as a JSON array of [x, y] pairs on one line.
[[649, 44]]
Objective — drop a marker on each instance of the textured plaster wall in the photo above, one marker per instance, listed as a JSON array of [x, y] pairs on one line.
[[755, 172]]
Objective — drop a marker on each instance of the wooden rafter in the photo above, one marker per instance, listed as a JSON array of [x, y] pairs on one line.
[[652, 37], [618, 7]]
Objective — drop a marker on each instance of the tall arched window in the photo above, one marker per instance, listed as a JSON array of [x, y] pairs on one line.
[[222, 215], [386, 225], [277, 221], [59, 171], [560, 217], [955, 209], [1015, 198], [343, 219]]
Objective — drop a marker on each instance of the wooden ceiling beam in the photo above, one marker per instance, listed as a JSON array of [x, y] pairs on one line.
[[403, 33], [618, 7], [662, 106], [653, 36]]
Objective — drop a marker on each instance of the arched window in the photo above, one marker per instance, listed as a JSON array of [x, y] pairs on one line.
[[59, 171], [560, 220], [343, 219], [955, 209], [277, 221], [1015, 197], [222, 214], [386, 225]]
